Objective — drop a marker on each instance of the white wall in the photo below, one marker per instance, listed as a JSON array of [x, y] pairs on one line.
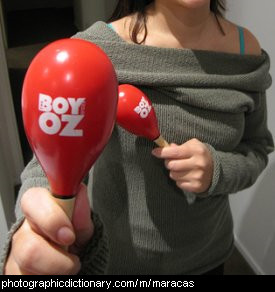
[[254, 209]]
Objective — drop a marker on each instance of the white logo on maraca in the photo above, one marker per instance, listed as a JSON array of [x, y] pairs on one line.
[[143, 109], [60, 110]]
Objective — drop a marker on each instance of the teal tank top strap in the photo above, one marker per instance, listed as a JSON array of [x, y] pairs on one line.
[[241, 36], [110, 26]]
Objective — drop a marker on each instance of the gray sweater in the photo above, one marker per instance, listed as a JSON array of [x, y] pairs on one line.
[[144, 224]]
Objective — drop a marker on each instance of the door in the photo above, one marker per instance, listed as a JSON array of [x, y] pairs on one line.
[[11, 159]]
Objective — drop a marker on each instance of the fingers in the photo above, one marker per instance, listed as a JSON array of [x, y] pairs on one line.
[[190, 148], [46, 217], [172, 152], [33, 254], [190, 165], [181, 165], [37, 246]]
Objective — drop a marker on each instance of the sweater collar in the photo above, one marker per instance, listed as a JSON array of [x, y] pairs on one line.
[[154, 66]]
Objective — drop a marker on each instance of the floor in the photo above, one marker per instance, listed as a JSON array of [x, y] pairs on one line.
[[28, 32], [236, 265]]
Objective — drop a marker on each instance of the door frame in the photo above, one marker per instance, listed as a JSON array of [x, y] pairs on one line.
[[11, 156]]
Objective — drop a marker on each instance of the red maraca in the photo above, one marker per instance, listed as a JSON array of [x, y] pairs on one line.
[[69, 103], [136, 114]]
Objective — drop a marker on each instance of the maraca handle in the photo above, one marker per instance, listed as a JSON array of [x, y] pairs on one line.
[[67, 205], [161, 142]]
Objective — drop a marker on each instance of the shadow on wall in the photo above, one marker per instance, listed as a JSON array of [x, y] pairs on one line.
[[260, 216]]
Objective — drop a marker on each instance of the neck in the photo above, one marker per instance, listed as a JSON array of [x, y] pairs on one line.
[[178, 20]]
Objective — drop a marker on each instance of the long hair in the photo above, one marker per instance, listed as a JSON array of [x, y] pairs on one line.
[[128, 7]]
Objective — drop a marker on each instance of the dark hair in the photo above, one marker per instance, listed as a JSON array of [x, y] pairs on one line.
[[128, 7]]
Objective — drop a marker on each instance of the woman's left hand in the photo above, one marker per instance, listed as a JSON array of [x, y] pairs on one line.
[[190, 165]]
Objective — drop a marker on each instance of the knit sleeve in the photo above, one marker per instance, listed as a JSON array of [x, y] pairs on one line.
[[239, 169], [32, 176], [93, 258]]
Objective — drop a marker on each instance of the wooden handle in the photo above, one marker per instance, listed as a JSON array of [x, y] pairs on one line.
[[67, 205], [161, 142]]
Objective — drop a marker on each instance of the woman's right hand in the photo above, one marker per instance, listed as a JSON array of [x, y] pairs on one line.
[[37, 247]]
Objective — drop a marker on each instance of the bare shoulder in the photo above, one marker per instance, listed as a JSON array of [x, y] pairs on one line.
[[120, 23], [121, 26], [251, 43]]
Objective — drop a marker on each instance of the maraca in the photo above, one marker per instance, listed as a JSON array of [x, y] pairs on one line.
[[69, 103], [136, 114]]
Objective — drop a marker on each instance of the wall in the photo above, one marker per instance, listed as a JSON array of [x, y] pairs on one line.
[[3, 224], [11, 162], [87, 12], [254, 209]]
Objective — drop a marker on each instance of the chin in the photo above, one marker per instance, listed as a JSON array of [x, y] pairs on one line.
[[192, 3]]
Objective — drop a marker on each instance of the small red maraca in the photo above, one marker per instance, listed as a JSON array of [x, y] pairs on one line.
[[69, 103], [136, 114]]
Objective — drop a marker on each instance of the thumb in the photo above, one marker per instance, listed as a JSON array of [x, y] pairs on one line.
[[81, 220]]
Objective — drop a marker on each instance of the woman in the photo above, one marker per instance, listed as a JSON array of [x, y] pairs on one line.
[[207, 79]]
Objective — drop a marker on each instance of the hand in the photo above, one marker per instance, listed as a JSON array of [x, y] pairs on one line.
[[190, 165], [37, 245]]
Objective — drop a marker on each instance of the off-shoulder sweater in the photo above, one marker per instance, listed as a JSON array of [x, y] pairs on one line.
[[144, 224]]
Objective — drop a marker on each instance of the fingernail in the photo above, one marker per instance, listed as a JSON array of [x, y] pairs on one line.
[[65, 235]]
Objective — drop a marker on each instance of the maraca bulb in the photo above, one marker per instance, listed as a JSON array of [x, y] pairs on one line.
[[69, 104], [135, 113]]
